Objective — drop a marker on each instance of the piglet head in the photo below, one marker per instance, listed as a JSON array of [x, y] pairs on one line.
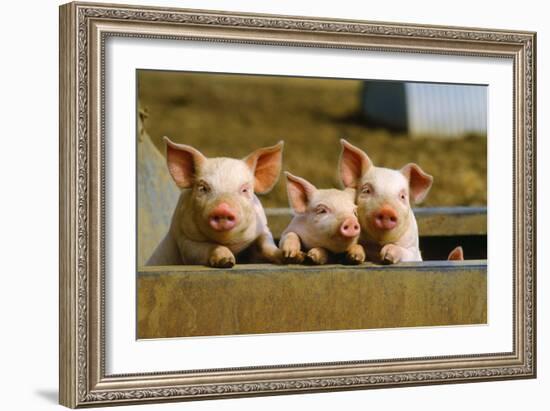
[[384, 196], [329, 215], [222, 189]]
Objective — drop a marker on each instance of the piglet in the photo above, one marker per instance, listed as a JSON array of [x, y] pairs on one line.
[[325, 224], [389, 231], [218, 215]]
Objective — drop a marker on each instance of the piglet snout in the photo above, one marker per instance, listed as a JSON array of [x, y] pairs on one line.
[[385, 218], [350, 227], [222, 218]]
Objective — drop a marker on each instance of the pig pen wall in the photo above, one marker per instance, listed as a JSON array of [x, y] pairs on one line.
[[186, 301]]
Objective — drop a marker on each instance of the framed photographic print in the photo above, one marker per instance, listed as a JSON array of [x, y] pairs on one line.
[[260, 204]]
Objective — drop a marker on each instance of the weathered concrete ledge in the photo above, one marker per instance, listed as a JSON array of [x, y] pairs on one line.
[[184, 301]]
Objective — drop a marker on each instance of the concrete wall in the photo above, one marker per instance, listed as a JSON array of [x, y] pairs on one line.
[[157, 194], [183, 301]]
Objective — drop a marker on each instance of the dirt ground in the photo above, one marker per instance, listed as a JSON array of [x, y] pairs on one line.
[[228, 115]]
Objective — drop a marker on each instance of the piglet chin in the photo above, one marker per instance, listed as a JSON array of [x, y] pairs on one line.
[[383, 236]]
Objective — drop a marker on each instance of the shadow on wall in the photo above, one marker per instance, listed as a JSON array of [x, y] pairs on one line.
[[50, 395]]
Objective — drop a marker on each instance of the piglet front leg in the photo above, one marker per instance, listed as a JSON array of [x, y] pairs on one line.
[[268, 250], [214, 255], [221, 257], [318, 256], [291, 248], [393, 254], [355, 254]]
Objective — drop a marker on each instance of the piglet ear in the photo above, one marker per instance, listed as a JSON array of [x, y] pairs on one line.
[[299, 192], [183, 162], [354, 163], [456, 255], [266, 165], [419, 182]]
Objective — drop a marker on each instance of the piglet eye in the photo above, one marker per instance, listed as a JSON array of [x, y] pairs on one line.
[[402, 196], [355, 212], [245, 189], [367, 189], [203, 188], [321, 209]]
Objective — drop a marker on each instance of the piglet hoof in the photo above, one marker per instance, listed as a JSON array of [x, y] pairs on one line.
[[294, 258], [355, 255], [390, 254], [317, 256], [292, 255], [221, 257]]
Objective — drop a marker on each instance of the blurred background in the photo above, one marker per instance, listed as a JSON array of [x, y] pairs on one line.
[[441, 127]]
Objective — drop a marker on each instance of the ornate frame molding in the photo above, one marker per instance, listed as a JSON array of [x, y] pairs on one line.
[[83, 30]]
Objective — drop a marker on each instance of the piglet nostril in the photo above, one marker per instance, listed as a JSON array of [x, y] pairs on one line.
[[222, 218], [386, 218], [349, 228]]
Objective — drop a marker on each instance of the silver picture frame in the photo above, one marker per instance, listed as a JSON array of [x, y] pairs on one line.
[[84, 28]]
